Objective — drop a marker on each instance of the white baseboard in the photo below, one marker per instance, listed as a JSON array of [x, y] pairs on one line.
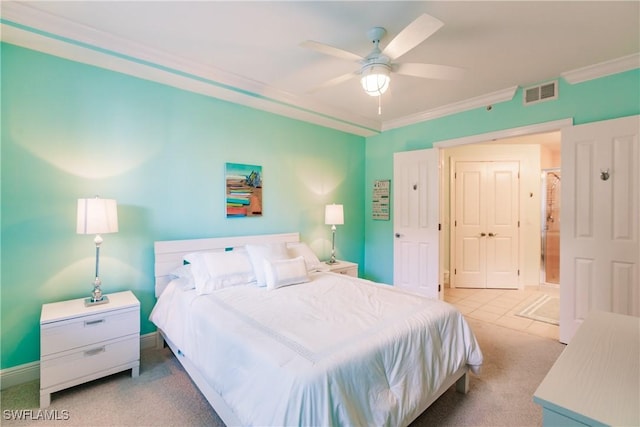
[[149, 340], [19, 374], [31, 371]]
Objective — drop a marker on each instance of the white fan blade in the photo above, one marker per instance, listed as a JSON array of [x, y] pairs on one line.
[[330, 50], [429, 71], [412, 35], [334, 81]]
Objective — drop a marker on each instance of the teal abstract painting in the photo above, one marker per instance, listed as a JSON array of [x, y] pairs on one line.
[[243, 190]]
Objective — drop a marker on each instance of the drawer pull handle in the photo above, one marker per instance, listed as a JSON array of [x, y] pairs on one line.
[[93, 352], [93, 322]]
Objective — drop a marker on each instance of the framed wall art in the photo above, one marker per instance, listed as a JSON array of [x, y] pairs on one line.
[[243, 190], [380, 201]]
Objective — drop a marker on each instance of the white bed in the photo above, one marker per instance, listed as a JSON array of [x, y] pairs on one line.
[[326, 350]]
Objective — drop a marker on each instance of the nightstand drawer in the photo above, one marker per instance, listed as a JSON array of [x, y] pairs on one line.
[[344, 267], [82, 331], [349, 271], [88, 360]]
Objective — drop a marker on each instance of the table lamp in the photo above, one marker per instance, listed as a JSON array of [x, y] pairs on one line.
[[333, 215], [97, 216]]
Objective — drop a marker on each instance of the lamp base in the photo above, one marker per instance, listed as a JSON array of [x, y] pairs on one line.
[[332, 260], [89, 302]]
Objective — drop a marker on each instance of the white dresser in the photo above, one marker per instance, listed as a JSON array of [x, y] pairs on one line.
[[80, 344], [344, 267], [596, 379]]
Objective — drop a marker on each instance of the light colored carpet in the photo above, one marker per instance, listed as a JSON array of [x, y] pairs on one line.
[[544, 309], [163, 395], [514, 365]]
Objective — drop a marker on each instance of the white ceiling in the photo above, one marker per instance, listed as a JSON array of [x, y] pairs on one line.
[[249, 52]]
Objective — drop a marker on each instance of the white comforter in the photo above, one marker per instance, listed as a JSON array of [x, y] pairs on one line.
[[335, 351]]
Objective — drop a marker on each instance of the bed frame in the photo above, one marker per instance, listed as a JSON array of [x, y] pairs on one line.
[[169, 255]]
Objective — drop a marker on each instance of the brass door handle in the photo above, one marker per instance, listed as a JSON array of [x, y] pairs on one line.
[[492, 234], [483, 234]]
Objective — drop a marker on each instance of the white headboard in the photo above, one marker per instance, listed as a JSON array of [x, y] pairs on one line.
[[169, 253]]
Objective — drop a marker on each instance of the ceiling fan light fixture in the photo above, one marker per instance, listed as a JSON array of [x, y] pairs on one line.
[[375, 79]]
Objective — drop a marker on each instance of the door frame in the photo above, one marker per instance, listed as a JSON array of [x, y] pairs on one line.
[[551, 126]]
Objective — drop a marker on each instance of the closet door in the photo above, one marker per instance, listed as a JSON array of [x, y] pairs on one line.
[[486, 224], [502, 248], [469, 224]]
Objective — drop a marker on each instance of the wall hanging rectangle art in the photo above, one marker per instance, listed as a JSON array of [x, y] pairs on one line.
[[243, 190], [380, 202]]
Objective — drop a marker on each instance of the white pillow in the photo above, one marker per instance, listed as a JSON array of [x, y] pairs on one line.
[[217, 270], [270, 252], [182, 271], [285, 272], [198, 268], [310, 258], [183, 276]]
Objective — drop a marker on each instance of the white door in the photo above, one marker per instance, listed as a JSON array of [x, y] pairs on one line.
[[416, 222], [485, 207], [599, 242], [503, 224], [469, 225]]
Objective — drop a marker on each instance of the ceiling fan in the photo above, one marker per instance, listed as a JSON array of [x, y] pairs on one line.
[[376, 67]]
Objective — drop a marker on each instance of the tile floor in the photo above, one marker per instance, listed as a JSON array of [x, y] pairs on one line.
[[499, 306]]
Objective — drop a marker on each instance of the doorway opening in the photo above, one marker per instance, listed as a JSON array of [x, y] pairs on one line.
[[547, 137], [550, 233]]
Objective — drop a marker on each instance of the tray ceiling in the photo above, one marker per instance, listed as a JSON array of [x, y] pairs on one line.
[[250, 53]]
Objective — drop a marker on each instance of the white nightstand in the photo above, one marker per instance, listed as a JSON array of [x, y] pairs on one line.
[[80, 344], [344, 267]]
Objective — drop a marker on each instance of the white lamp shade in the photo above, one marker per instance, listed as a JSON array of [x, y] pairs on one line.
[[375, 80], [97, 216], [333, 215]]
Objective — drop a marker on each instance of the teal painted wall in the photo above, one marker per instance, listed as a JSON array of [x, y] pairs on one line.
[[70, 130], [601, 99]]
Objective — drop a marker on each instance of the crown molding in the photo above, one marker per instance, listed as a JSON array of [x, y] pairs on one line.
[[456, 107], [602, 69], [33, 29]]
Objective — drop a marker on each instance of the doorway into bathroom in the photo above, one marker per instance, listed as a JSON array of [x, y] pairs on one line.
[[550, 253]]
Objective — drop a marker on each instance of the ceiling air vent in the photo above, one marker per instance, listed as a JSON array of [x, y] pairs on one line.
[[543, 92]]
